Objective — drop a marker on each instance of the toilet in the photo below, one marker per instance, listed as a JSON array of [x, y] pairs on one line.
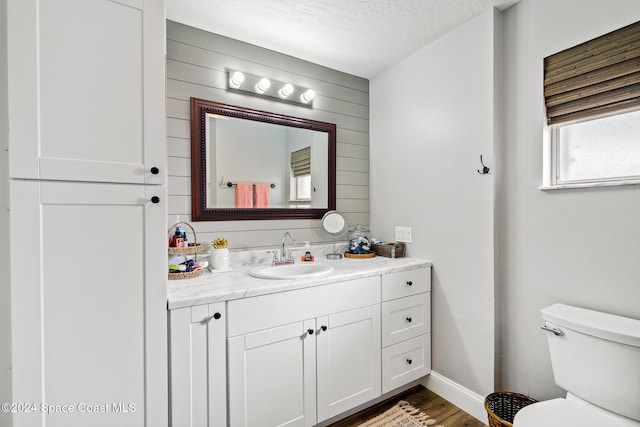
[[596, 358]]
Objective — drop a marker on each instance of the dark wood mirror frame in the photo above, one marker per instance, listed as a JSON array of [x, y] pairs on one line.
[[199, 210]]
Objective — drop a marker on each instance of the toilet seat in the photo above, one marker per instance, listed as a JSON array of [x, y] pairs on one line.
[[565, 412]]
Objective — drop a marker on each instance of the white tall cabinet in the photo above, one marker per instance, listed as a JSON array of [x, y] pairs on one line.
[[86, 90], [87, 241]]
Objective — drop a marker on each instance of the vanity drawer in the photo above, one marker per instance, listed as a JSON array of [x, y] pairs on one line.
[[405, 318], [405, 362], [405, 283]]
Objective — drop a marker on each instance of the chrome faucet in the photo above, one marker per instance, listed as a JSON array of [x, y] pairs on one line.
[[283, 256]]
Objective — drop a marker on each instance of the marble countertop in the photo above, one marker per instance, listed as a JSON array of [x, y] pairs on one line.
[[237, 283]]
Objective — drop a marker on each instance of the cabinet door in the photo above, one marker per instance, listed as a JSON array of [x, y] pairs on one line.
[[86, 90], [272, 377], [88, 299], [348, 360], [198, 366]]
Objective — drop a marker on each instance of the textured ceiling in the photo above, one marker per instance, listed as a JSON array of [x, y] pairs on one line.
[[360, 37]]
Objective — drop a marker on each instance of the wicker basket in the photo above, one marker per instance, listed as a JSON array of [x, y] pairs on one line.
[[386, 249], [359, 256], [503, 406], [193, 248], [186, 275]]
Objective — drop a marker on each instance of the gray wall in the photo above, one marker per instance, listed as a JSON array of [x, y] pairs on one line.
[[196, 67], [439, 110], [578, 246], [573, 246]]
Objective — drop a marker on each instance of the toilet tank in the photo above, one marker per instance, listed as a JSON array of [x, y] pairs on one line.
[[597, 358]]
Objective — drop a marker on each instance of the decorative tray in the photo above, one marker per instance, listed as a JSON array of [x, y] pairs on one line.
[[361, 256]]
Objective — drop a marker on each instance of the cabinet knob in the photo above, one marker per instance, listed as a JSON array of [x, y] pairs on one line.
[[324, 328], [217, 316], [409, 319], [409, 361], [155, 170], [155, 199], [310, 331], [409, 282]]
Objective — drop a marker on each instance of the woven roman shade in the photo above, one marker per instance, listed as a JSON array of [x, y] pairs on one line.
[[301, 162], [595, 78]]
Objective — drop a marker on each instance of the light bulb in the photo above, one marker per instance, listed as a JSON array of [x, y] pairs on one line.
[[236, 79], [307, 96], [263, 85], [285, 90]]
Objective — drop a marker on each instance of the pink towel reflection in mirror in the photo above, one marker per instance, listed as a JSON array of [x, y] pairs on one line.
[[244, 195], [261, 195]]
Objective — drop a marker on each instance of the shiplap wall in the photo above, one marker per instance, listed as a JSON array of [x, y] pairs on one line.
[[196, 67]]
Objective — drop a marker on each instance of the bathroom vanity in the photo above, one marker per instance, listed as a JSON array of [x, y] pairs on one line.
[[246, 351]]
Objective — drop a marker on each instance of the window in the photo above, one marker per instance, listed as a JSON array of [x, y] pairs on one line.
[[303, 187], [592, 99], [301, 174], [605, 150]]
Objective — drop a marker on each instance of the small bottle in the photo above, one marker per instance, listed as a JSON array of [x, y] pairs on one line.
[[177, 238], [307, 252]]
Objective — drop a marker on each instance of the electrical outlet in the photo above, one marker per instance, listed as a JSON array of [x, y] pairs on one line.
[[403, 234]]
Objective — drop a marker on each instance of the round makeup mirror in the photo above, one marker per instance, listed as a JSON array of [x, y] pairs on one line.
[[335, 224]]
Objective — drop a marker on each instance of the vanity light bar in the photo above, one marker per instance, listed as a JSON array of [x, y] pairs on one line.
[[262, 86]]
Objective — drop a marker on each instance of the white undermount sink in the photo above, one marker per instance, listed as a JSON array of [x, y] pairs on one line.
[[291, 271]]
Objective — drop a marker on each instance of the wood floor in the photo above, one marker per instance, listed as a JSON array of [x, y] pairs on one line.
[[445, 413]]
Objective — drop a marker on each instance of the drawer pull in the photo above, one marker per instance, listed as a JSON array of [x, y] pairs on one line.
[[310, 331], [409, 283], [217, 316], [155, 170], [324, 328], [409, 361], [409, 319]]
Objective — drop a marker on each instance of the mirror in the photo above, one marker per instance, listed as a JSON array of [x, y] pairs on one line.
[[335, 224], [250, 164]]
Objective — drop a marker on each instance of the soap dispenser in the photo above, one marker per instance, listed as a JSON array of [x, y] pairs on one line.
[[307, 252]]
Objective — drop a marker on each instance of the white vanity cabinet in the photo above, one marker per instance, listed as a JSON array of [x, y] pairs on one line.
[[198, 366], [298, 358], [406, 327], [86, 90]]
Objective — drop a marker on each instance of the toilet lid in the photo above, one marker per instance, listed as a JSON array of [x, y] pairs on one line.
[[562, 413]]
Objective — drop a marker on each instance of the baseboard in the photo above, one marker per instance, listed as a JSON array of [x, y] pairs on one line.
[[465, 399]]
